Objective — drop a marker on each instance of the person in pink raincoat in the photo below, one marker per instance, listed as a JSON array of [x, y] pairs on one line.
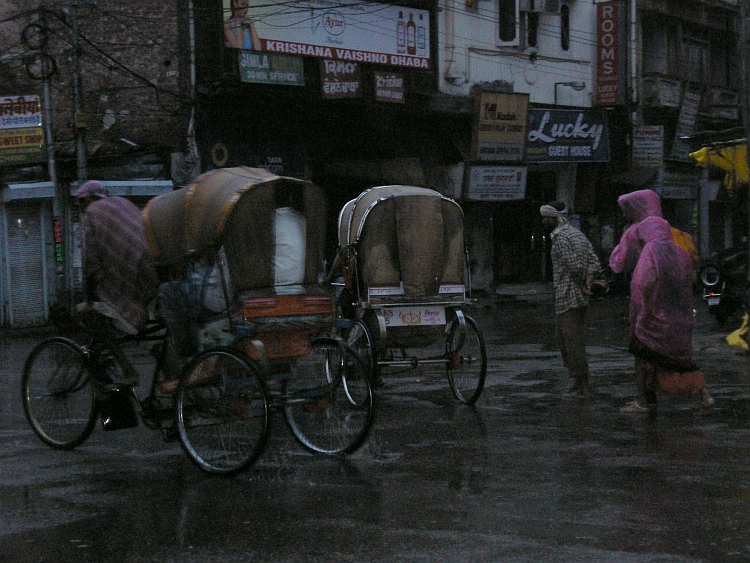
[[661, 304]]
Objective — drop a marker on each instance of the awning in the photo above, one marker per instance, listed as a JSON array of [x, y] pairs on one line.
[[731, 157]]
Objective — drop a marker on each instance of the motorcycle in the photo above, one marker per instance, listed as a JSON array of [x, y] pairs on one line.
[[724, 282]]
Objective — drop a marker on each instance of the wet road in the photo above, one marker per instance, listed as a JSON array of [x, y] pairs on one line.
[[525, 476]]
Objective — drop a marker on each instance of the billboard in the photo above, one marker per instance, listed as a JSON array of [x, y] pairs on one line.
[[361, 32]]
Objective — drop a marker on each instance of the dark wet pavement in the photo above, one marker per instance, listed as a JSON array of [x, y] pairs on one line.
[[525, 476]]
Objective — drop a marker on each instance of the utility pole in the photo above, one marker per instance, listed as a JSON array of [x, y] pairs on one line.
[[80, 118], [744, 52], [58, 201]]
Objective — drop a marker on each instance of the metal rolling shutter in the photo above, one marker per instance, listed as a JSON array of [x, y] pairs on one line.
[[26, 265]]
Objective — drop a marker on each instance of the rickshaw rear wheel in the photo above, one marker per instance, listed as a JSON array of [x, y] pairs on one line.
[[328, 401], [466, 365], [221, 411], [56, 392]]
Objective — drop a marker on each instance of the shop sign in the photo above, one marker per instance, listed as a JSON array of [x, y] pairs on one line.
[[262, 68], [496, 183], [680, 184], [610, 60], [340, 79], [648, 146], [58, 241], [567, 136], [389, 87], [499, 126], [363, 32], [685, 126], [21, 135]]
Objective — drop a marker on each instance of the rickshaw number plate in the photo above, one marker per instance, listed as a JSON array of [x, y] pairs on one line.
[[414, 316], [713, 301]]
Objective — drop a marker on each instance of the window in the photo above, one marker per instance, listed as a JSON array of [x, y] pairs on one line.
[[696, 60], [533, 29], [565, 27], [508, 22]]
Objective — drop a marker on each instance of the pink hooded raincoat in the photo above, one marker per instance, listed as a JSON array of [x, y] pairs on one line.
[[661, 299]]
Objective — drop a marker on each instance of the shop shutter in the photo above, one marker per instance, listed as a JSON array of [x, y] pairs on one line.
[[26, 265]]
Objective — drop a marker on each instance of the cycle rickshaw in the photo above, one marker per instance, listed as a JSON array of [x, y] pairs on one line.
[[407, 272], [265, 350]]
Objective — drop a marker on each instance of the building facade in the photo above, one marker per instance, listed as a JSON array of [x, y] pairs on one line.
[[500, 104]]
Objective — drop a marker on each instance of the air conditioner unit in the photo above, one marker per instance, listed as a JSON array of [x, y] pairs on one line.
[[539, 6]]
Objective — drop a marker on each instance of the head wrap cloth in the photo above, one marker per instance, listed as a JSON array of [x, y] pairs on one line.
[[549, 211]]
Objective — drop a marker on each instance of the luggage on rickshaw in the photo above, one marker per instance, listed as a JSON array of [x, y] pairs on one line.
[[406, 270], [257, 239]]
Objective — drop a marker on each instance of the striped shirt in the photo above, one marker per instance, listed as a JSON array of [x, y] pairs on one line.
[[573, 258]]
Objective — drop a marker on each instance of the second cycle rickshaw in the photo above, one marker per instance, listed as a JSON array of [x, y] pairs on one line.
[[406, 271]]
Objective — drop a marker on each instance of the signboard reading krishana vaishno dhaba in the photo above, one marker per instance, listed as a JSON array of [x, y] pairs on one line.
[[361, 32]]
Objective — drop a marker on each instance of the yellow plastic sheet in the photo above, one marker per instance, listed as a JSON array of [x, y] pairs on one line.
[[732, 158], [739, 337]]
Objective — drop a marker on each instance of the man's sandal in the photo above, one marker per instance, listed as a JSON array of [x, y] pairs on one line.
[[634, 407]]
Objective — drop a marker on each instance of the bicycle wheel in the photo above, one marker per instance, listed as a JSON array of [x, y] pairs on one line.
[[467, 361], [359, 338], [56, 392], [328, 399], [221, 411]]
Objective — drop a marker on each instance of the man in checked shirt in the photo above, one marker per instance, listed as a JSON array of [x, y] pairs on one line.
[[574, 267]]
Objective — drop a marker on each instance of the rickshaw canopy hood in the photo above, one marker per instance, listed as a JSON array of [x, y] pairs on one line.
[[405, 235], [234, 208]]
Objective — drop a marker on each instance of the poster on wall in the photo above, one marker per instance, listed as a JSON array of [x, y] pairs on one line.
[[362, 32], [340, 79], [685, 126], [21, 134], [496, 183], [389, 87], [499, 126], [648, 146]]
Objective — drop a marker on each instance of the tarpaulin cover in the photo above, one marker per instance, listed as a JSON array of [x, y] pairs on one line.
[[732, 158], [405, 234], [661, 291], [234, 207]]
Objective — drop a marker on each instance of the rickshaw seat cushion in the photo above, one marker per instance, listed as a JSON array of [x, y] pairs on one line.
[[267, 311]]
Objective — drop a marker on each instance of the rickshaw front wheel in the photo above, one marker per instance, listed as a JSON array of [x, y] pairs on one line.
[[466, 361], [56, 392], [328, 399]]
